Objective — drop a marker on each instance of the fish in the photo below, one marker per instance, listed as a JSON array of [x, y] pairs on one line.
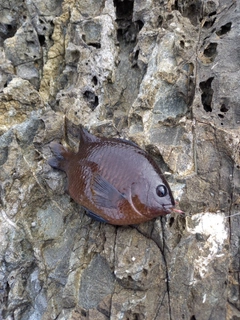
[[115, 180]]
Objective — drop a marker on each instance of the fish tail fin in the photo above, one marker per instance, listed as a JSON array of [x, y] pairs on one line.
[[61, 158]]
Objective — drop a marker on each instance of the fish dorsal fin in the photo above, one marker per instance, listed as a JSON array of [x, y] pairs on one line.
[[104, 193], [86, 137]]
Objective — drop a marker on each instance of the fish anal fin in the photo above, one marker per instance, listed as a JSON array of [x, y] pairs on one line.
[[104, 193]]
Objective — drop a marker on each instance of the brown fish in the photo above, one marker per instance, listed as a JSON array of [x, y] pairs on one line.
[[114, 180]]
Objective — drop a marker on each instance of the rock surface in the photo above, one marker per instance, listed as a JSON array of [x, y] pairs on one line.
[[162, 73]]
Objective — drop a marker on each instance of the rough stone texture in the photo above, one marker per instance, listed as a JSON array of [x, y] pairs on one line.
[[162, 73]]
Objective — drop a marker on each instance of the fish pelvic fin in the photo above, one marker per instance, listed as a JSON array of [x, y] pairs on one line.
[[95, 216], [61, 156]]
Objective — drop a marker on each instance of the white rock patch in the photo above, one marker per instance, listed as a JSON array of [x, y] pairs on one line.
[[213, 228]]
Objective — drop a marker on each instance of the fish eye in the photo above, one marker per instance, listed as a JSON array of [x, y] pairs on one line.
[[161, 190]]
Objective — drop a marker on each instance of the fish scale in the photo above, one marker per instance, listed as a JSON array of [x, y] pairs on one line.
[[114, 180]]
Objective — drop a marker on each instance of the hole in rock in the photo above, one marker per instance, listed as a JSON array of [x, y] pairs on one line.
[[41, 39], [193, 318], [133, 316], [92, 99], [124, 9], [136, 55], [171, 221], [95, 45], [190, 10], [75, 54], [224, 108], [209, 23], [95, 102], [182, 44], [221, 115], [7, 289], [224, 29], [140, 24], [7, 30], [169, 17], [212, 13], [194, 12], [127, 29], [159, 21], [9, 27], [207, 93], [145, 272], [95, 80], [211, 50], [83, 313], [175, 5]]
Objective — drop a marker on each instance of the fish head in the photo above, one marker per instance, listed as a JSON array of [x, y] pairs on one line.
[[151, 195]]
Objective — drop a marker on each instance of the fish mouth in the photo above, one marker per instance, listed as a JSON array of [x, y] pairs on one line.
[[178, 211], [169, 208]]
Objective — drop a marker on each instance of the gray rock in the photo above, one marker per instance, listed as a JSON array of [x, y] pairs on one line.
[[97, 282], [164, 74]]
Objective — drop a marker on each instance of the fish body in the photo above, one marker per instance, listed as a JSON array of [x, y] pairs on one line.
[[114, 179]]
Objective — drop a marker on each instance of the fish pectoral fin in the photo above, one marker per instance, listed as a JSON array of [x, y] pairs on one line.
[[95, 216], [105, 194]]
